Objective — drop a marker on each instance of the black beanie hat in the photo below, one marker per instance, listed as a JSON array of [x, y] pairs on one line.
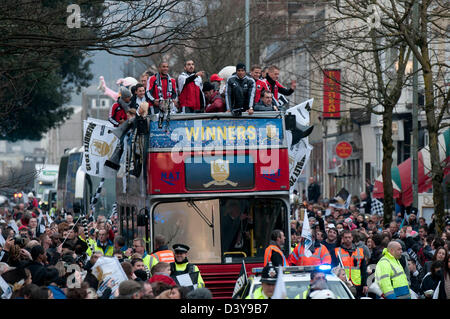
[[240, 66]]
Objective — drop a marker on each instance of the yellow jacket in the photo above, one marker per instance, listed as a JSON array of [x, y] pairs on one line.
[[391, 277]]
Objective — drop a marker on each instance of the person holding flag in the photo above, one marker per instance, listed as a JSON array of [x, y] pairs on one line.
[[309, 252]]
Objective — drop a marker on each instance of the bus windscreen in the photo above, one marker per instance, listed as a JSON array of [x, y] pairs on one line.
[[220, 230]]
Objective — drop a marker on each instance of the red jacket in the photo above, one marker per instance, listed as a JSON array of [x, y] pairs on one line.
[[260, 86], [153, 93], [275, 87], [190, 93], [116, 113], [298, 258], [216, 104]]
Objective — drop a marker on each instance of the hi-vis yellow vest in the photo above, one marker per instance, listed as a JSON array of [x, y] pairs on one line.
[[352, 271]]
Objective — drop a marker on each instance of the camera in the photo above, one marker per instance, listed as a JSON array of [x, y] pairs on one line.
[[18, 240]]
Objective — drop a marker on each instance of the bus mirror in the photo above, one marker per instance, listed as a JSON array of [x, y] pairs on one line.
[[142, 218]]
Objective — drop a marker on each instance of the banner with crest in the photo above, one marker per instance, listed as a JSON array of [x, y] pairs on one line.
[[98, 145]]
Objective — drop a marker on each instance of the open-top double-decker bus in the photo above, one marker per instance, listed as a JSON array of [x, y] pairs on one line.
[[216, 182]]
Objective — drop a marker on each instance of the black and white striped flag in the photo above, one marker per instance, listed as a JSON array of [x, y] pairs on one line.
[[95, 198], [86, 233]]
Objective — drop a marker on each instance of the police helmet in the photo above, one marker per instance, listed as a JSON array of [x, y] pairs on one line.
[[269, 274]]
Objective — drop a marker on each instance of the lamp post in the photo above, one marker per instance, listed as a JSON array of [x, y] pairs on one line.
[[247, 34], [415, 124]]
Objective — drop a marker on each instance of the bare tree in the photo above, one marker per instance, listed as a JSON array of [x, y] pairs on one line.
[[368, 41], [427, 37], [18, 179], [35, 34], [370, 79], [220, 39]]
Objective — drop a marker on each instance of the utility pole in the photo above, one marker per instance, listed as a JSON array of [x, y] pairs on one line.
[[247, 34], [415, 120]]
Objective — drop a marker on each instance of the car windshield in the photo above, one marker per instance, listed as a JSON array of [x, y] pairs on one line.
[[296, 288]]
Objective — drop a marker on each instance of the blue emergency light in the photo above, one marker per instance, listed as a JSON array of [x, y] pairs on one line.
[[325, 268], [298, 269]]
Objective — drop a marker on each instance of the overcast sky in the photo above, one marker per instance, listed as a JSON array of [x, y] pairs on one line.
[[108, 65]]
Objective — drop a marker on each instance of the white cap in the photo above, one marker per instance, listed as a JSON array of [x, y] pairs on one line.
[[30, 194]]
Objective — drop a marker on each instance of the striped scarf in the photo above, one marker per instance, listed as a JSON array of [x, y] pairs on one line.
[[159, 85]]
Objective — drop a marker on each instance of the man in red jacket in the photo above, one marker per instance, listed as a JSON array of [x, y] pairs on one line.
[[270, 83], [214, 100], [190, 98], [118, 112], [160, 86]]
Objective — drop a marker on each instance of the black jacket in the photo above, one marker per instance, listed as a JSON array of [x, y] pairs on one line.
[[133, 103], [429, 282], [377, 253], [261, 107], [416, 281], [313, 192], [240, 92], [280, 89], [331, 247], [38, 272]]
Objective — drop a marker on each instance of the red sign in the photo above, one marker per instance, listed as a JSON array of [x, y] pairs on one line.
[[344, 149], [332, 94]]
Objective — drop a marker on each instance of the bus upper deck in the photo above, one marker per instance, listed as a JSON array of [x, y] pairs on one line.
[[216, 182]]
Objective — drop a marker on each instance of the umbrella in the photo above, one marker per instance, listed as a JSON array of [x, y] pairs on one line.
[[401, 174]]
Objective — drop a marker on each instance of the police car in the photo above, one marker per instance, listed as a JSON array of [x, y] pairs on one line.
[[297, 279]]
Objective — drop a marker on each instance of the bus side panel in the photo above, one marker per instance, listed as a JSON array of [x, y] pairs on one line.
[[168, 173]]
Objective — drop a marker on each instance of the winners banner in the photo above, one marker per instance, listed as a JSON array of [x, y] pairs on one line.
[[98, 146], [299, 150]]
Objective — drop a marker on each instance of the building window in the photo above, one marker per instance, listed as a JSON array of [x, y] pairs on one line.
[[104, 103]]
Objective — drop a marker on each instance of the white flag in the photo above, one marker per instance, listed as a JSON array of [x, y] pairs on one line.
[[49, 219], [99, 144], [306, 233], [436, 291], [6, 289], [13, 225], [2, 239], [299, 151], [280, 287]]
